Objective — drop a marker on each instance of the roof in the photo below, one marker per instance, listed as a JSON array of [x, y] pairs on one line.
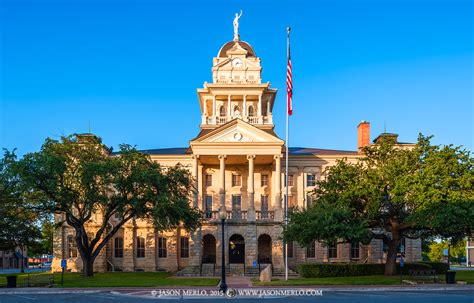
[[167, 151], [292, 150], [319, 151], [223, 51]]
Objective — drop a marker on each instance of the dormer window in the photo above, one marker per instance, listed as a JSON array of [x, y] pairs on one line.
[[222, 111]]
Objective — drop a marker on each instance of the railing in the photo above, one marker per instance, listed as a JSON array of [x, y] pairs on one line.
[[253, 120], [221, 120], [239, 215], [231, 215], [265, 215]]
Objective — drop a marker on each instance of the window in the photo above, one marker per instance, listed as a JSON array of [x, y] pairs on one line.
[[222, 111], [355, 250], [264, 180], [402, 245], [162, 252], [311, 250], [309, 200], [251, 113], [208, 207], [384, 247], [290, 180], [184, 247], [72, 247], [290, 249], [236, 207], [140, 247], [208, 180], [264, 206], [236, 180], [236, 109], [332, 251], [118, 247], [310, 180]]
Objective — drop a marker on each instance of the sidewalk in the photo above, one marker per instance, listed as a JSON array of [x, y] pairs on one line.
[[237, 284]]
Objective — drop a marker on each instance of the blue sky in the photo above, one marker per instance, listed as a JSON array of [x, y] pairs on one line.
[[131, 68]]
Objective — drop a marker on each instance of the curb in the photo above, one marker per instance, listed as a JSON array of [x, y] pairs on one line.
[[124, 290]]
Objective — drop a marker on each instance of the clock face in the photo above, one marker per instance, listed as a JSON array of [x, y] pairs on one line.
[[237, 63]]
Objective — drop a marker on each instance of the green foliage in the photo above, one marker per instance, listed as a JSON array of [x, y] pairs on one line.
[[455, 251], [45, 244], [80, 180], [392, 192], [323, 270], [18, 224]]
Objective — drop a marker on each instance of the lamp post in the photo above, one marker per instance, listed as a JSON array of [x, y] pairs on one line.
[[223, 216]]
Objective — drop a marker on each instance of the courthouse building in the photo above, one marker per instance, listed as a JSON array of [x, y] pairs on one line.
[[237, 162]]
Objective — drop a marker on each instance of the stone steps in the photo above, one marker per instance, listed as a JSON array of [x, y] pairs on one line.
[[231, 270]]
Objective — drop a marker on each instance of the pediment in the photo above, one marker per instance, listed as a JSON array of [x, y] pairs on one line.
[[238, 131]]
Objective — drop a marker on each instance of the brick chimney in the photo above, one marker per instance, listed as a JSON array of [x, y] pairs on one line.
[[363, 135]]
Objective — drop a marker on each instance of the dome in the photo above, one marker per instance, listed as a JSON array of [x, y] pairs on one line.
[[223, 51]]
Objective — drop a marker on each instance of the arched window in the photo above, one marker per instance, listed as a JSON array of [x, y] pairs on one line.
[[222, 111], [250, 111]]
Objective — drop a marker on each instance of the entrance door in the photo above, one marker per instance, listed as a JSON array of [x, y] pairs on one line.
[[236, 249], [236, 207]]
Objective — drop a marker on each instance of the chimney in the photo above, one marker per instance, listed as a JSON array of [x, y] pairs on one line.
[[363, 134]]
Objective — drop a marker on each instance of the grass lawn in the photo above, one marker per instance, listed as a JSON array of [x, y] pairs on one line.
[[121, 279], [359, 280], [467, 276]]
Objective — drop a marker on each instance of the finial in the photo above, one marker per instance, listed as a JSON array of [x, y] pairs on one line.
[[236, 26]]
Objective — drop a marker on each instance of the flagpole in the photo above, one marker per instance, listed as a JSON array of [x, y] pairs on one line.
[[286, 165]]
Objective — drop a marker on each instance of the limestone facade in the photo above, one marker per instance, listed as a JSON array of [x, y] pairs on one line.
[[237, 162]]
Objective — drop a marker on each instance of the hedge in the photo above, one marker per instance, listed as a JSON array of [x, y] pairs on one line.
[[323, 270]]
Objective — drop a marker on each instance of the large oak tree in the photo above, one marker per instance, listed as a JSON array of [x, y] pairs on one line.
[[78, 178], [391, 193], [19, 217]]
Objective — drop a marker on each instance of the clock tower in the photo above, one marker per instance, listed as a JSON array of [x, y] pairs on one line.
[[236, 91]]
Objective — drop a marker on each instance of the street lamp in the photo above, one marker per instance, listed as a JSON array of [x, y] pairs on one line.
[[223, 216]]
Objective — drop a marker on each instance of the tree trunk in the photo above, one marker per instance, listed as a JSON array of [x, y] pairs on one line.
[[87, 266], [391, 262]]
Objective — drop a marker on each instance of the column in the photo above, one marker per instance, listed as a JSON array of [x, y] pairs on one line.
[[251, 190], [214, 114], [222, 181], [228, 107], [195, 180], [277, 207], [244, 113], [259, 106], [205, 107]]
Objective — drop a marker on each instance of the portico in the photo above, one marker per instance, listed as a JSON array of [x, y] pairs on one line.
[[232, 155]]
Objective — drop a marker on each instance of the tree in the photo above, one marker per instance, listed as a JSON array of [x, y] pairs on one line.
[[45, 244], [436, 252], [80, 180], [18, 224], [389, 194]]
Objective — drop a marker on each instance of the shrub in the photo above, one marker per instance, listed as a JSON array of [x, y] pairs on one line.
[[323, 270]]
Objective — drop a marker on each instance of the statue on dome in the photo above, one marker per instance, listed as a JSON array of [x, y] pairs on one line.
[[236, 25]]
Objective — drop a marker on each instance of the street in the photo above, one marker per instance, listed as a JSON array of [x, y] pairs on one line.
[[466, 296]]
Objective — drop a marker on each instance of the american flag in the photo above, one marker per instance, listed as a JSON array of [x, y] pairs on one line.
[[289, 81]]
